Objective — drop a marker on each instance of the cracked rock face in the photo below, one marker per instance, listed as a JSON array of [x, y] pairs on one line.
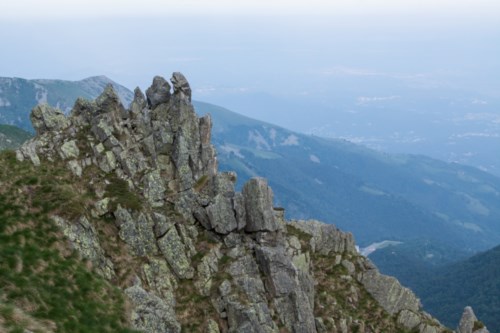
[[190, 252]]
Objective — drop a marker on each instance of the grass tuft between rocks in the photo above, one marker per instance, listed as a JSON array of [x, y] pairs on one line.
[[44, 285]]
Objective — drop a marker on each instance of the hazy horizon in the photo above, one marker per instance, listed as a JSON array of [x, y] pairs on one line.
[[383, 73]]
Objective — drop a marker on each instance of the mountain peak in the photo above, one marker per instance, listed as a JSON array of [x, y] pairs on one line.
[[198, 253]]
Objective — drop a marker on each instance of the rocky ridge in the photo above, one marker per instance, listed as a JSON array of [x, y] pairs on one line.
[[193, 254]]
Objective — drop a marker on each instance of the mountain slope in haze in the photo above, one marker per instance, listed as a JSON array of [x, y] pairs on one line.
[[376, 196], [402, 197], [474, 281], [18, 96], [12, 137]]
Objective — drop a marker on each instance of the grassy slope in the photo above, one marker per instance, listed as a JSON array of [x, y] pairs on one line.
[[12, 137], [45, 286]]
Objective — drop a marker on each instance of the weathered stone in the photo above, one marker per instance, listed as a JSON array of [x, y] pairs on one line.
[[326, 238], [162, 224], [468, 322], [150, 313], [160, 280], [212, 327], [181, 86], [174, 251], [389, 293], [426, 328], [69, 150], [102, 130], [139, 102], [98, 149], [221, 215], [109, 103], [45, 118], [223, 183], [241, 319], [102, 206], [136, 231], [107, 161], [154, 188], [188, 234], [75, 168], [206, 130], [351, 269], [158, 93], [239, 210], [85, 240], [83, 111], [409, 319], [259, 206], [28, 150], [206, 269], [282, 281]]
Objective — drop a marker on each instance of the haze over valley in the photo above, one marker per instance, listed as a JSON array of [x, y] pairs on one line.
[[378, 117]]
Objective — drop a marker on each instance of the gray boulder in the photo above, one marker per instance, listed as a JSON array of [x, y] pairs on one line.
[[151, 314], [181, 86], [258, 198], [221, 215], [389, 293], [174, 251], [46, 118], [326, 238], [109, 103], [139, 102], [283, 283], [158, 93]]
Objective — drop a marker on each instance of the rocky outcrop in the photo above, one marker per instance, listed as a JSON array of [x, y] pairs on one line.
[[470, 324], [189, 251], [45, 118]]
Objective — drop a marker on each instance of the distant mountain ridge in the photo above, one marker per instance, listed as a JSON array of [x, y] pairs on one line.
[[18, 95], [403, 197]]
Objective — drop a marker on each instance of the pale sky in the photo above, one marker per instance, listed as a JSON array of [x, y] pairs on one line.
[[258, 45], [104, 8]]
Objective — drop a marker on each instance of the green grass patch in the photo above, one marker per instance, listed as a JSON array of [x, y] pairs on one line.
[[39, 273], [201, 183], [303, 237], [119, 192]]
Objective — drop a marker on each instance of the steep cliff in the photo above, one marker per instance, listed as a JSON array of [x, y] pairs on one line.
[[150, 213]]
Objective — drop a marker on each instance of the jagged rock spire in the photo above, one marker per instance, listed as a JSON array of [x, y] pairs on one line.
[[181, 85], [158, 93], [469, 323]]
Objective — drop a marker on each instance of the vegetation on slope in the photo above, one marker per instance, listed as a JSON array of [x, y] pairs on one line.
[[445, 287], [44, 285], [12, 137], [474, 282]]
